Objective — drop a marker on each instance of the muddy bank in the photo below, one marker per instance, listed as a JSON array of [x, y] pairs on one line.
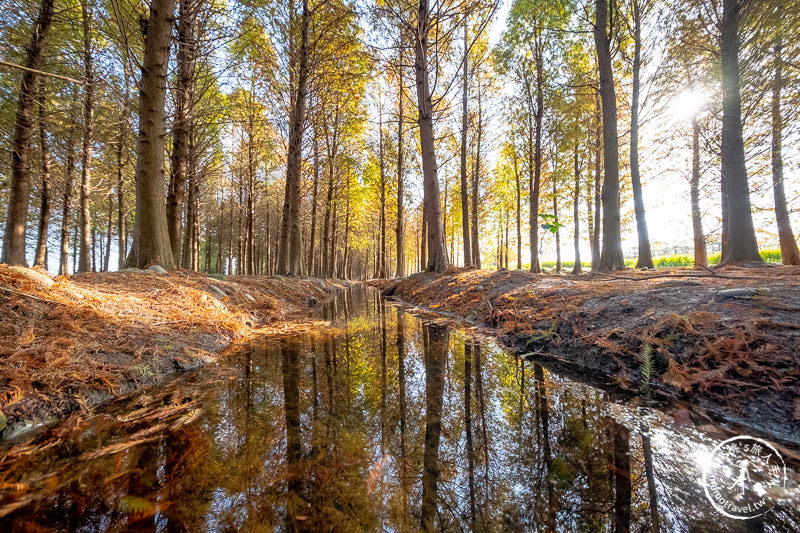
[[726, 341], [69, 343]]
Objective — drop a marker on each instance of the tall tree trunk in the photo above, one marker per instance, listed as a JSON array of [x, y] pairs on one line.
[[537, 171], [534, 171], [332, 253], [598, 165], [399, 239], [109, 231], [345, 257], [611, 253], [85, 215], [179, 159], [122, 225], [382, 192], [331, 146], [789, 252], [63, 268], [250, 264], [476, 248], [699, 238], [151, 243], [423, 255], [437, 253], [93, 248], [290, 248], [739, 244], [315, 190], [505, 249], [464, 189], [190, 257], [519, 209], [44, 211], [576, 196], [645, 256], [19, 198], [558, 231]]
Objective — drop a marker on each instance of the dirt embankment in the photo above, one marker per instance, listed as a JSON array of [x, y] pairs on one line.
[[73, 342], [726, 341]]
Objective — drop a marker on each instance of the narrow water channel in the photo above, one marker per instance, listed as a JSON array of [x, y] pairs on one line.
[[379, 421]]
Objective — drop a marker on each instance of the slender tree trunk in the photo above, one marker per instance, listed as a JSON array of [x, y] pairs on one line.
[[534, 175], [505, 248], [315, 190], [464, 188], [109, 232], [598, 166], [739, 244], [437, 253], [93, 249], [645, 257], [69, 169], [699, 238], [290, 249], [151, 243], [476, 249], [611, 253], [423, 257], [75, 249], [789, 252], [251, 191], [519, 210], [122, 226], [577, 268], [558, 231], [190, 259], [345, 257], [332, 254], [19, 198], [537, 169], [399, 238], [382, 192], [44, 211], [331, 146], [180, 128], [85, 215]]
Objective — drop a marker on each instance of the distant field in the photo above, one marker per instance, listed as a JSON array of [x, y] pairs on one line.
[[669, 261]]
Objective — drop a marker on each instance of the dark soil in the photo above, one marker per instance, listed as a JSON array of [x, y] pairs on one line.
[[735, 356], [92, 337]]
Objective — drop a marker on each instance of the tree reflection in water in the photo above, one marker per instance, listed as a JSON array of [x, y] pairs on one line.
[[379, 422]]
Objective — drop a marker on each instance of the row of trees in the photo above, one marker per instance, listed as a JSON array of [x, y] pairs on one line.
[[290, 140]]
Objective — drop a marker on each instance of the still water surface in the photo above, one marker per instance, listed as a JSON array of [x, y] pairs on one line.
[[378, 422]]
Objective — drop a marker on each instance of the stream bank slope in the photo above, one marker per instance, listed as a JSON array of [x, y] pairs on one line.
[[69, 343], [724, 341]]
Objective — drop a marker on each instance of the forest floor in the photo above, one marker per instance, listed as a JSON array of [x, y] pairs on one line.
[[74, 342], [723, 341]]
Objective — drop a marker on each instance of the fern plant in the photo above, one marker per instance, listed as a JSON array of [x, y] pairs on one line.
[[646, 366]]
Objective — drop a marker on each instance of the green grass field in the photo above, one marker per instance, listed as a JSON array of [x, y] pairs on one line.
[[670, 261]]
